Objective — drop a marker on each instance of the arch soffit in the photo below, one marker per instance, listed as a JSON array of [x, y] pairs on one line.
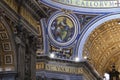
[[91, 27], [7, 43]]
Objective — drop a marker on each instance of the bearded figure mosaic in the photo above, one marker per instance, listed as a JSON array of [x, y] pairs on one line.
[[62, 29]]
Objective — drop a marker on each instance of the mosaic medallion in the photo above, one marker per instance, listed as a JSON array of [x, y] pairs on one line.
[[62, 29]]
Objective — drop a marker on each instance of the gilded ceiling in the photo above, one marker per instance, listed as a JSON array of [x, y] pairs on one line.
[[6, 49], [103, 46]]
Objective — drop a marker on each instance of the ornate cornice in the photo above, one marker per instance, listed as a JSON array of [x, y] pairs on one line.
[[15, 16], [65, 66], [37, 10]]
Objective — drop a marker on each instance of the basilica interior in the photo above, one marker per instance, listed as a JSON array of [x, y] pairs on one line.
[[59, 40]]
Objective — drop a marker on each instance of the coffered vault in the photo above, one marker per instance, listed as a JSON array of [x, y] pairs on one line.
[[7, 53], [102, 46]]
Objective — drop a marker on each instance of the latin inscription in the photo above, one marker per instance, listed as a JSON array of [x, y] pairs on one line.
[[90, 3], [65, 69]]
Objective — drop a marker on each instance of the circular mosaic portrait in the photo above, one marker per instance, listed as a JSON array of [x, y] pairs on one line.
[[62, 29]]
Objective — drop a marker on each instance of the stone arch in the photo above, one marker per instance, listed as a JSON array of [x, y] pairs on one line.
[[90, 27], [101, 42], [8, 56]]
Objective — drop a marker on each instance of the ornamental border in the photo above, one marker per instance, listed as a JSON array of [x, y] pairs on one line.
[[75, 21]]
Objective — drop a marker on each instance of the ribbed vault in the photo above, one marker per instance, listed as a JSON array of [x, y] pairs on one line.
[[103, 46]]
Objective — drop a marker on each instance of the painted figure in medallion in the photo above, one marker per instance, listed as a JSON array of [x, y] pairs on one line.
[[62, 29]]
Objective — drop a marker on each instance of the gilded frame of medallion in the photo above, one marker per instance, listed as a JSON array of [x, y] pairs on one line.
[[63, 29]]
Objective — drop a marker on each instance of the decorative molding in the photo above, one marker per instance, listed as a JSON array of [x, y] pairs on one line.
[[3, 35], [29, 23], [83, 6], [6, 46], [8, 59], [12, 4], [66, 67]]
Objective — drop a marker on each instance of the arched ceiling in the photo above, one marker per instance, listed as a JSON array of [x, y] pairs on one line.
[[6, 49], [103, 46]]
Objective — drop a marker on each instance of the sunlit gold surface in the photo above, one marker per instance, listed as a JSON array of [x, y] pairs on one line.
[[103, 46]]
